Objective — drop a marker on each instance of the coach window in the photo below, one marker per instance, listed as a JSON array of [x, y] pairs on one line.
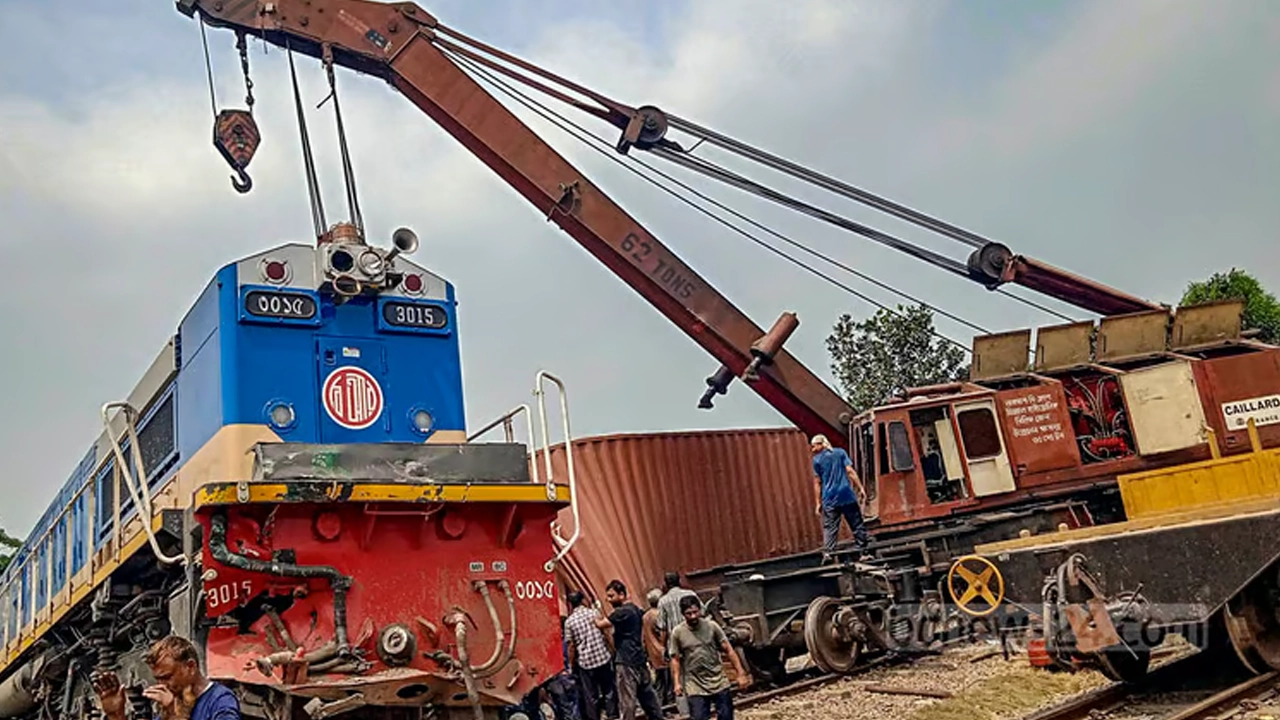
[[105, 500], [979, 432]]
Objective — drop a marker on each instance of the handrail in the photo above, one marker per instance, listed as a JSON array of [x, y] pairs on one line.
[[505, 421], [540, 393]]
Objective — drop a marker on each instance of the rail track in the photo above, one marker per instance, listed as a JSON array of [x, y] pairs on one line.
[[1188, 688], [806, 682], [742, 702]]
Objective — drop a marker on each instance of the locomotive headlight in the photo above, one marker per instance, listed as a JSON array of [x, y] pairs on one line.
[[371, 263], [421, 420], [341, 261]]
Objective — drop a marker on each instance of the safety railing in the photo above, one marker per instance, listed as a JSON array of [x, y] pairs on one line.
[[541, 394], [507, 421]]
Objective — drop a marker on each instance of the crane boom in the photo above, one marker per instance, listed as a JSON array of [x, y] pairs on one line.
[[396, 42]]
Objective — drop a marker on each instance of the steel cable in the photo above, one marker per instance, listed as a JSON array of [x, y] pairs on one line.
[[475, 56], [577, 131]]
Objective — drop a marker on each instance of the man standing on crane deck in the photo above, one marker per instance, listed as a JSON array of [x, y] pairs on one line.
[[835, 486]]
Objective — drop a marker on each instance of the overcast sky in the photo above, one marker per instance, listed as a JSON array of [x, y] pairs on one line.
[[1132, 141]]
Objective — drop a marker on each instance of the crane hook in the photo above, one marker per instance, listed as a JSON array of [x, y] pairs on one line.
[[243, 183], [236, 136]]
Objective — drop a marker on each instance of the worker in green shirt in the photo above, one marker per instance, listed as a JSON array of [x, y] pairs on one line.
[[696, 670]]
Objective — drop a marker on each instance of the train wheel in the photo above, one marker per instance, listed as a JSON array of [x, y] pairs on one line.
[[1253, 628], [829, 635], [1124, 666]]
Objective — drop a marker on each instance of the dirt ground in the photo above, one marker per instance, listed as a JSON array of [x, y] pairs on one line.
[[983, 686]]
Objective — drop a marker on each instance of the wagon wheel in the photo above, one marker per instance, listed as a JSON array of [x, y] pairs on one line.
[[828, 636], [1124, 666], [1253, 628], [983, 581]]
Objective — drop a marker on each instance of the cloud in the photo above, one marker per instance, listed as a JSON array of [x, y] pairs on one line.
[[118, 209], [1099, 67]]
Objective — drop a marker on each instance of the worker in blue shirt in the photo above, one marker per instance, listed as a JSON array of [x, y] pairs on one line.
[[181, 691], [839, 492]]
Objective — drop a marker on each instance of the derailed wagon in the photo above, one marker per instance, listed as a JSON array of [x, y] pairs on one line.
[[1197, 556]]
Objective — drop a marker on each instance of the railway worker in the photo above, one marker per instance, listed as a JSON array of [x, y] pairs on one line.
[[181, 691], [589, 655], [627, 624], [655, 648], [696, 668], [839, 494], [669, 618], [669, 605]]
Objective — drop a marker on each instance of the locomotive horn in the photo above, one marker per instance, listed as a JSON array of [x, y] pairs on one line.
[[403, 240]]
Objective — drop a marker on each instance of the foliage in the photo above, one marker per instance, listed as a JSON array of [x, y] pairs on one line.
[[10, 545], [1261, 309], [887, 353]]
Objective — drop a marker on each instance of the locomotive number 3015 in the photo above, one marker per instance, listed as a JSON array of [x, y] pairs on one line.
[[227, 593], [415, 315]]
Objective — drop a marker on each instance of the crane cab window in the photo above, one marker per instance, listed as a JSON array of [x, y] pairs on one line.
[[864, 451], [980, 434], [895, 449], [940, 462]]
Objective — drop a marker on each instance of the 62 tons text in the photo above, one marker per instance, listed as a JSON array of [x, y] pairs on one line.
[[665, 273]]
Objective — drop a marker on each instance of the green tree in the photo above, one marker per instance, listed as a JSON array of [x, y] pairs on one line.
[[889, 352], [10, 545], [1261, 310]]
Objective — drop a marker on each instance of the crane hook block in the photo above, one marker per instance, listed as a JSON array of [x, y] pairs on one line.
[[236, 136]]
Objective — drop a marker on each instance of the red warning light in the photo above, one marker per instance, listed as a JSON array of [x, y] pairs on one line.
[[275, 271], [413, 283]]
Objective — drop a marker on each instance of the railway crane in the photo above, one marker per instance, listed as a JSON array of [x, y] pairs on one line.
[[427, 62], [1018, 449]]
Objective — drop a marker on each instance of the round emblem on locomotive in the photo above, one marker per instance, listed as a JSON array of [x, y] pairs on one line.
[[352, 397]]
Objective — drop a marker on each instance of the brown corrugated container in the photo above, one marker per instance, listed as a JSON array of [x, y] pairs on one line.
[[684, 501]]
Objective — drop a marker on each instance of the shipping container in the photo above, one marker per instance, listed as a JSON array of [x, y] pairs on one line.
[[684, 501]]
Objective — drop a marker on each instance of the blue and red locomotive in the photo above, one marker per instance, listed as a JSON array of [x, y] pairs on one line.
[[303, 503]]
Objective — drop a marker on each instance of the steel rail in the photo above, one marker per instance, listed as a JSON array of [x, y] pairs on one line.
[[1112, 697], [1252, 688]]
